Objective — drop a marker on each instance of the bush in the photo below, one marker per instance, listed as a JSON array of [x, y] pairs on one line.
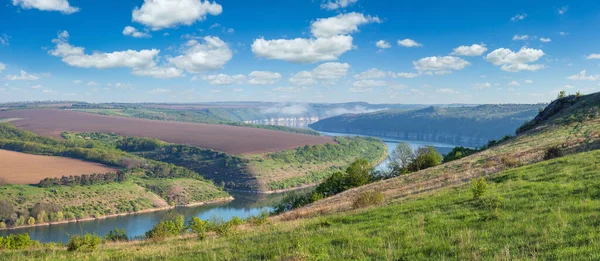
[[86, 242], [14, 241], [170, 226], [31, 221], [509, 162], [199, 227], [553, 153], [478, 187], [236, 221], [221, 227], [369, 198], [261, 219], [116, 235]]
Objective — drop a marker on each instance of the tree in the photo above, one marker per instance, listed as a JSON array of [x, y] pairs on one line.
[[401, 156], [6, 209], [31, 221], [359, 173], [562, 94], [426, 157]]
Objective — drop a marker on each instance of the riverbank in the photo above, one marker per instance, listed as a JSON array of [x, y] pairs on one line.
[[87, 219]]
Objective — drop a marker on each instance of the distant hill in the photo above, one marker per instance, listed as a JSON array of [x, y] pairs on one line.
[[467, 126]]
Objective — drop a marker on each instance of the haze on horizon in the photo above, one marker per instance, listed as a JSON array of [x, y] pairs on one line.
[[439, 52]]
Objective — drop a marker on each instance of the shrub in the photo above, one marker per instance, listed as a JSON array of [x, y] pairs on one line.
[[478, 187], [369, 198], [221, 227], [261, 219], [236, 221], [86, 242], [170, 226], [14, 241], [31, 221], [199, 227], [509, 162], [553, 153], [2, 224], [116, 235]]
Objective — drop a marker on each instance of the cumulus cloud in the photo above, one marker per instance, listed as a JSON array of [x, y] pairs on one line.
[[91, 84], [159, 91], [369, 83], [473, 50], [224, 79], [545, 40], [583, 76], [302, 50], [447, 91], [518, 17], [528, 81], [520, 37], [159, 14], [341, 24], [382, 44], [405, 75], [142, 62], [409, 43], [62, 6], [263, 77], [440, 63], [337, 4], [212, 54], [132, 31], [24, 76], [480, 86], [514, 83], [516, 61], [371, 74], [593, 56], [327, 73]]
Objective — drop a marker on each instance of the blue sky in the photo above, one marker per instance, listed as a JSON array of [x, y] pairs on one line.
[[298, 51]]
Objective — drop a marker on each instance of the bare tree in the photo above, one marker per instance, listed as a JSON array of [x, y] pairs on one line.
[[401, 156]]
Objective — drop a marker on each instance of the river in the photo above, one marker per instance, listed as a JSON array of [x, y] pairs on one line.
[[243, 206]]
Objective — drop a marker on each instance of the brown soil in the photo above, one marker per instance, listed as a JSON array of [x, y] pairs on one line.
[[21, 168], [229, 139]]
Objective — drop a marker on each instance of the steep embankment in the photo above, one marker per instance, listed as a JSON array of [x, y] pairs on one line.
[[573, 128], [467, 126]]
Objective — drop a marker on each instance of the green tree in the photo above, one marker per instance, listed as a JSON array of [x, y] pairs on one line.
[[199, 227], [401, 156], [359, 173], [562, 94], [426, 157], [31, 221], [478, 187]]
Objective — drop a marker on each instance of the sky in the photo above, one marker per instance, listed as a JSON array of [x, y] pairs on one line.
[[385, 51]]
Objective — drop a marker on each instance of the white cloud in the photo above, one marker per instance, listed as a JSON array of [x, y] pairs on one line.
[[514, 83], [569, 87], [2, 67], [342, 24], [440, 63], [90, 84], [563, 10], [369, 83], [593, 56], [473, 50], [480, 86], [37, 87], [125, 86], [159, 91], [77, 81], [159, 14], [383, 44], [327, 73], [224, 79], [263, 77], [446, 91], [4, 40], [287, 89], [409, 43], [23, 76], [405, 75], [583, 76], [518, 17], [197, 57], [360, 89], [528, 81], [132, 31], [62, 6], [302, 50], [516, 61], [520, 37], [158, 72], [371, 74], [337, 4], [545, 40], [564, 33]]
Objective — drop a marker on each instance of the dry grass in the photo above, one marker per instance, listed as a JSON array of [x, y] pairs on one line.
[[21, 168]]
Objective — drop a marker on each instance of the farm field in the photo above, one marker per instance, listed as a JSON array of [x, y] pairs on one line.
[[229, 139], [21, 168]]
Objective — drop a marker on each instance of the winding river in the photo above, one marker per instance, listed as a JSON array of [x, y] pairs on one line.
[[243, 206]]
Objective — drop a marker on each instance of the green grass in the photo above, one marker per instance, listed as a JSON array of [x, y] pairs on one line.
[[548, 211], [183, 191]]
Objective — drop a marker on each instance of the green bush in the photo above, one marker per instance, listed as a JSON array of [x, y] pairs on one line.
[[170, 226], [369, 198], [221, 227], [86, 242], [14, 241], [478, 187], [199, 227], [553, 153], [236, 221], [261, 219], [116, 235]]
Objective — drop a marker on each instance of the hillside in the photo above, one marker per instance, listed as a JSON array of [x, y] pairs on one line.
[[465, 126], [540, 210]]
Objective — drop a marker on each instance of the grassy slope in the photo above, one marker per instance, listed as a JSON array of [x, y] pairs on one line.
[[549, 210]]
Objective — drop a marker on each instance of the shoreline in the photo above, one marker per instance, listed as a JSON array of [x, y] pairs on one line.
[[149, 210], [277, 191]]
